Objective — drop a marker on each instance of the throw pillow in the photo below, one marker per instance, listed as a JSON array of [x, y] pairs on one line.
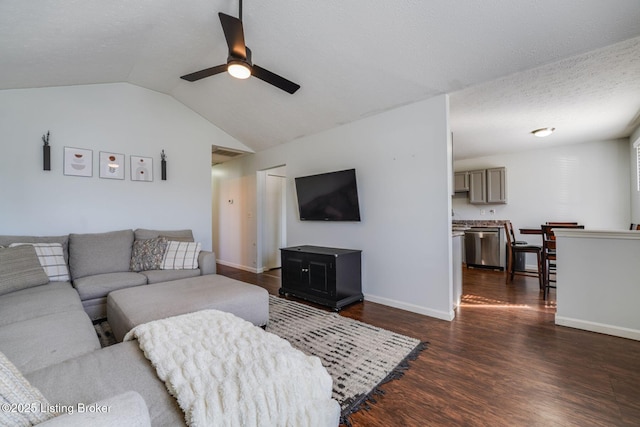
[[181, 256], [20, 269], [51, 259], [23, 401], [148, 254]]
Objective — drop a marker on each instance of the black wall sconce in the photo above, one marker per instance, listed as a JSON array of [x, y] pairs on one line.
[[46, 153], [163, 165]]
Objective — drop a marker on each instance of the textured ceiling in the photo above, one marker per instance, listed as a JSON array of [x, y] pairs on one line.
[[510, 66]]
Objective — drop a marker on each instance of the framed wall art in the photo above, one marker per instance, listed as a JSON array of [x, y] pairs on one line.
[[111, 165], [141, 168], [78, 162]]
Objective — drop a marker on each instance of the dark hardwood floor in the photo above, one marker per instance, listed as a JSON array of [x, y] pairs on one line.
[[501, 362]]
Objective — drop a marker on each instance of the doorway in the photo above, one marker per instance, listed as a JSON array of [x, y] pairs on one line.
[[272, 228]]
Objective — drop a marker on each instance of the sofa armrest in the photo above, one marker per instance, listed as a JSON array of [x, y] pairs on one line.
[[127, 409], [207, 262]]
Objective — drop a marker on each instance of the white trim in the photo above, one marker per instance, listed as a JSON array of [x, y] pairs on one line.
[[449, 316], [596, 234], [601, 328], [240, 267]]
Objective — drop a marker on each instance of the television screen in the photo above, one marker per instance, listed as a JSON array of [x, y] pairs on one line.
[[329, 196]]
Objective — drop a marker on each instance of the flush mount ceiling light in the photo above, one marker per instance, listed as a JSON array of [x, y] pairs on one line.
[[541, 133]]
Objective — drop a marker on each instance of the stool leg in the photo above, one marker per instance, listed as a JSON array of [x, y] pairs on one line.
[[540, 279]]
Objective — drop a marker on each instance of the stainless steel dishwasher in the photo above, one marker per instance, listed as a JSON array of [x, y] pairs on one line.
[[485, 247]]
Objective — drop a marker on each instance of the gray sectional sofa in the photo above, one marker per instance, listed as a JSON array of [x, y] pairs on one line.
[[47, 335]]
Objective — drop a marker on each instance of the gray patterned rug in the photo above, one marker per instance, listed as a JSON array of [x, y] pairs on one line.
[[358, 356]]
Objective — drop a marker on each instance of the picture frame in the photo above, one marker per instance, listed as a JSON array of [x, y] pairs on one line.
[[141, 168], [111, 165], [78, 162]]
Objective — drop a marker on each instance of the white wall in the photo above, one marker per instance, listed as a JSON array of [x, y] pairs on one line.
[[588, 183], [597, 281], [120, 118], [401, 163], [635, 194]]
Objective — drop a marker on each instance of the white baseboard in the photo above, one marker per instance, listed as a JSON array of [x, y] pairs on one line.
[[238, 266], [373, 298], [411, 307], [617, 331]]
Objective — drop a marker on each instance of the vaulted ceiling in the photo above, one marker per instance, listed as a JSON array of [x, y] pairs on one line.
[[510, 66]]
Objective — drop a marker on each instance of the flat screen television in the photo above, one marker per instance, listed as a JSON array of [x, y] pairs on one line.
[[331, 196]]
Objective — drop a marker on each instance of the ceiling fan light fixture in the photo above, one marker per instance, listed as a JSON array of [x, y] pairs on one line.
[[542, 132], [239, 69]]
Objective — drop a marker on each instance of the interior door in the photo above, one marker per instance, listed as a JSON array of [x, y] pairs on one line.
[[274, 221]]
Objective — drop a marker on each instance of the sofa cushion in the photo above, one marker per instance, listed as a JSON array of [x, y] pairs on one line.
[[157, 276], [100, 285], [178, 235], [6, 240], [55, 297], [51, 340], [127, 410], [99, 253], [83, 379], [51, 259], [20, 269], [181, 255], [148, 254], [16, 390]]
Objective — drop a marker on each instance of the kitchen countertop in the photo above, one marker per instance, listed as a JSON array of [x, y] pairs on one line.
[[468, 223]]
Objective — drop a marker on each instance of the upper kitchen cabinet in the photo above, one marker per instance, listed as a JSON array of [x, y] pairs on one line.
[[478, 186], [488, 186], [461, 181], [496, 185]]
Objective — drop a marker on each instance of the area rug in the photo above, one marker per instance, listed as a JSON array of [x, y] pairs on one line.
[[358, 356]]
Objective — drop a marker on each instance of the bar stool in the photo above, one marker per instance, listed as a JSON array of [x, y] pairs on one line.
[[517, 247], [549, 257]]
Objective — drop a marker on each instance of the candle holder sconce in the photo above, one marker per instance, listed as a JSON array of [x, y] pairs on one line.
[[46, 153], [163, 165]]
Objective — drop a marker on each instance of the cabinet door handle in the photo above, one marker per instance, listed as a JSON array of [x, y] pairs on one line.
[[305, 270]]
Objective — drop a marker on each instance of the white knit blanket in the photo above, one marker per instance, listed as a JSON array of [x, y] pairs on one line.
[[224, 371]]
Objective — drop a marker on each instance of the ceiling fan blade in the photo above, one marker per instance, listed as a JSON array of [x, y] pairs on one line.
[[274, 79], [205, 73], [234, 34]]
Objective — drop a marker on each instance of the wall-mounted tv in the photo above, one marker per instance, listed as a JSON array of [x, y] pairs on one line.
[[329, 196]]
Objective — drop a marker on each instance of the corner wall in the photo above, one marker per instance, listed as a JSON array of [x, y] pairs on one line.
[[120, 118], [402, 169]]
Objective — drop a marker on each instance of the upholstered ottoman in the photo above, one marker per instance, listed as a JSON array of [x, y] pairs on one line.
[[127, 308]]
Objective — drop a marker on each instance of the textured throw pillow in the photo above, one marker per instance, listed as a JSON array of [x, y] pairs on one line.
[[51, 259], [148, 254], [20, 269], [181, 256], [21, 402]]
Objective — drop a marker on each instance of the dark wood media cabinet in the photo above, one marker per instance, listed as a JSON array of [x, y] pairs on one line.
[[326, 276]]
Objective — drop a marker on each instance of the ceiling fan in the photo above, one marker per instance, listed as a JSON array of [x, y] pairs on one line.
[[239, 63]]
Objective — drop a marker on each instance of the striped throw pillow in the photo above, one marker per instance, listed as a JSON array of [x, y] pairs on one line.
[[17, 393], [51, 259], [181, 256]]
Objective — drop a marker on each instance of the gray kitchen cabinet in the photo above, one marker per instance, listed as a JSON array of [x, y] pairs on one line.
[[478, 186], [461, 181], [488, 186], [496, 185]]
